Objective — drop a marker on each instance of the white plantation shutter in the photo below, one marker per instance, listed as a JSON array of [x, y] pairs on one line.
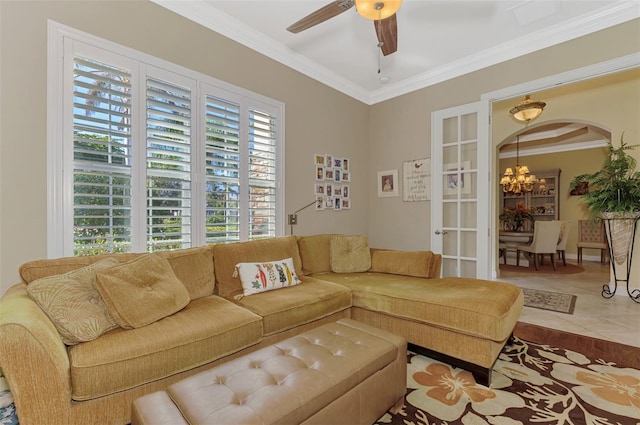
[[262, 174], [168, 166], [222, 133], [162, 157], [101, 158]]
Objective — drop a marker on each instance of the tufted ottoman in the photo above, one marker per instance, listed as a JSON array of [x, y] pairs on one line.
[[340, 373]]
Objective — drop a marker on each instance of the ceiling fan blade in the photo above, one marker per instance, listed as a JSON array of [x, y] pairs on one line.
[[323, 14], [387, 34]]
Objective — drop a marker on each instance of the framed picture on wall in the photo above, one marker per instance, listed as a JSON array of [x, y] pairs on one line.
[[452, 182], [387, 183]]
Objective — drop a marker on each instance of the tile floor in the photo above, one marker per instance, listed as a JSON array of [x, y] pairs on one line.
[[616, 319]]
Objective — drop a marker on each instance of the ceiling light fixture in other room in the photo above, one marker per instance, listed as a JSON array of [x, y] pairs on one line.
[[527, 109]]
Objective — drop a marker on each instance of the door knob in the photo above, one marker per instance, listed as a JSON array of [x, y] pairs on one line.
[[438, 232]]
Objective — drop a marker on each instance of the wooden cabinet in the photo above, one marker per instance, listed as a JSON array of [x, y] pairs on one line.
[[543, 200]]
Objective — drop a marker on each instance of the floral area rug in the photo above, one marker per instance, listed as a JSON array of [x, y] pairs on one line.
[[7, 408], [531, 384]]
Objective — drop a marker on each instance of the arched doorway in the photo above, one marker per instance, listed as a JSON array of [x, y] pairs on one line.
[[565, 147]]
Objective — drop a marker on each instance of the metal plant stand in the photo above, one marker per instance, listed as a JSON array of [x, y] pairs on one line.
[[607, 292]]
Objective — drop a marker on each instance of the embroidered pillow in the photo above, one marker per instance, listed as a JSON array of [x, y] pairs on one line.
[[73, 303], [266, 276], [349, 254], [142, 291]]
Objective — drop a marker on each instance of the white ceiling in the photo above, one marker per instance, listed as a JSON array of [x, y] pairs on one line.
[[437, 39]]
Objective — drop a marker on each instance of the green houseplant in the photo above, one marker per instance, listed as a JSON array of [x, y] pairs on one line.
[[613, 190]]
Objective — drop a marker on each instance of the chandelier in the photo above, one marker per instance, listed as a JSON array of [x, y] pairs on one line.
[[521, 181]]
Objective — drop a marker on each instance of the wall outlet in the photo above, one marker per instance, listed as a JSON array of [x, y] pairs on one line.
[[293, 219]]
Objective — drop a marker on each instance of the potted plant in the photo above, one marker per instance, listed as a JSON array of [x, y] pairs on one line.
[[515, 219], [613, 194]]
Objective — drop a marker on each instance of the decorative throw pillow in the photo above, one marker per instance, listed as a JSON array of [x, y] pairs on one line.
[[266, 276], [349, 254], [73, 303], [142, 291]]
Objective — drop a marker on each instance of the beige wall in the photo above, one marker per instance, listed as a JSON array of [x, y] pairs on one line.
[[318, 118]]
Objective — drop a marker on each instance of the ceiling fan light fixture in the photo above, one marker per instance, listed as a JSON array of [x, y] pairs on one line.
[[375, 10], [527, 109]]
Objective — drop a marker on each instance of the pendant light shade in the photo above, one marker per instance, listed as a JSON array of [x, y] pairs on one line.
[[375, 10], [527, 109]]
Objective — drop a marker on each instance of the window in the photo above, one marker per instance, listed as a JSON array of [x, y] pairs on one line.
[[161, 157]]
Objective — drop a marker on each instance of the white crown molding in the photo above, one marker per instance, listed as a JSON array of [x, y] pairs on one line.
[[211, 17], [216, 20]]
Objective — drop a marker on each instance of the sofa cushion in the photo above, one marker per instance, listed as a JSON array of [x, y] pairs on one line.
[[408, 263], [266, 276], [207, 329], [349, 253], [290, 307], [226, 256], [476, 307], [73, 303], [142, 291], [315, 253], [193, 266]]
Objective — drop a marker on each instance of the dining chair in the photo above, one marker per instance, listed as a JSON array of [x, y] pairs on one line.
[[561, 248], [592, 236], [502, 250], [545, 241]]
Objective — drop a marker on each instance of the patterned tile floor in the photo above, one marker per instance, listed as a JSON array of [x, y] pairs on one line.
[[616, 319]]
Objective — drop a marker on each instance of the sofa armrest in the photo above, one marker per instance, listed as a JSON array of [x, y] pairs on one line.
[[425, 264], [34, 360]]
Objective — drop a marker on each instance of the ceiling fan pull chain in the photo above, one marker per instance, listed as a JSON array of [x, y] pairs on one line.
[[378, 28]]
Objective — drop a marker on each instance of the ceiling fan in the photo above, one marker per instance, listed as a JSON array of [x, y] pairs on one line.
[[382, 13]]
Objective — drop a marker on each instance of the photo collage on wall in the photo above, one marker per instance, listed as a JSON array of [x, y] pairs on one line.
[[333, 175]]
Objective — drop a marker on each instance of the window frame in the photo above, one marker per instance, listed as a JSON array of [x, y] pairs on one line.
[[60, 128]]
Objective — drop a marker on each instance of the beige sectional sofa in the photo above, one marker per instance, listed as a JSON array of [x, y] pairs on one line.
[[465, 321]]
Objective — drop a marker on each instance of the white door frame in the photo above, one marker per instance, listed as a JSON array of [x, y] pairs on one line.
[[601, 69]]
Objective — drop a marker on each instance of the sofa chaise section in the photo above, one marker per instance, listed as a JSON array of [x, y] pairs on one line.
[[465, 322]]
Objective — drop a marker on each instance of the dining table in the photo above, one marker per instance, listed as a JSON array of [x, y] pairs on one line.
[[512, 240]]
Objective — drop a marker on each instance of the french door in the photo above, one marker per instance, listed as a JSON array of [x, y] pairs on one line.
[[460, 204]]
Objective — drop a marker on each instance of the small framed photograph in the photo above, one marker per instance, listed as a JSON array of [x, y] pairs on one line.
[[328, 174], [328, 202], [346, 176], [337, 203], [337, 190], [346, 203], [319, 160], [328, 190], [337, 175], [319, 203], [337, 163], [319, 173], [328, 161], [387, 183], [346, 191], [345, 164], [452, 182], [318, 189]]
